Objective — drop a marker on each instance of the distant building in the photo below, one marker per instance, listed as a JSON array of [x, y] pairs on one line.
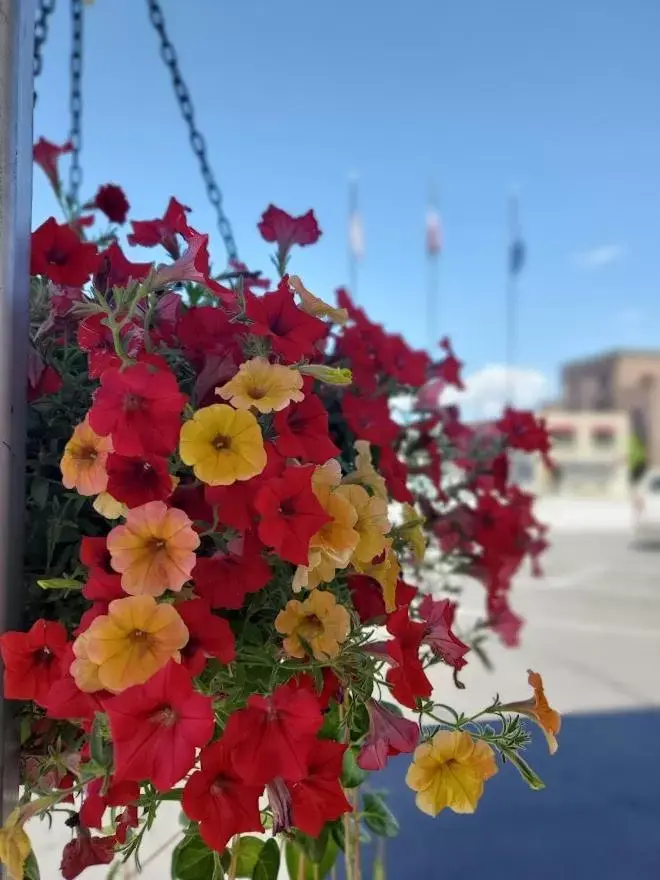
[[590, 450], [627, 381]]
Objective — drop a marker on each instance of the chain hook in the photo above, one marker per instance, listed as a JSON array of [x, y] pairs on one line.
[[75, 102], [46, 9]]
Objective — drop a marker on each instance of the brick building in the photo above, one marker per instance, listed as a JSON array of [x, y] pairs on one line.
[[626, 381]]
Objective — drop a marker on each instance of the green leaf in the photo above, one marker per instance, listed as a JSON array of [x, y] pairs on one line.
[[192, 859], [378, 817], [338, 835], [39, 492], [99, 748], [60, 584], [268, 865], [314, 848], [249, 850], [351, 774], [313, 870], [31, 868]]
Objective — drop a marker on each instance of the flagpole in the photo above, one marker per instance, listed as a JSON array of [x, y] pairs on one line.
[[433, 270], [514, 265], [352, 249]]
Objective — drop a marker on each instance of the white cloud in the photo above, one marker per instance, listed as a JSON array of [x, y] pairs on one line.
[[598, 257], [486, 391]]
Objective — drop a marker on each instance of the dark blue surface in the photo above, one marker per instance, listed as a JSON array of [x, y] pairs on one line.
[[597, 819]]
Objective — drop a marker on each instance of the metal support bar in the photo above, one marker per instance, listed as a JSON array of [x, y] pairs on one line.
[[16, 96]]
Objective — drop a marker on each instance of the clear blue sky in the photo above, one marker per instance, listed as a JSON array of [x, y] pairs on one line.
[[559, 99]]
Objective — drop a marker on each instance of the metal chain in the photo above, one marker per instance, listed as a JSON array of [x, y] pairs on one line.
[[75, 101], [46, 9], [197, 142]]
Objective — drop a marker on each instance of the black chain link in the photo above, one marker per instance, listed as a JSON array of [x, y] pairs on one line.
[[197, 142], [75, 101], [46, 9]]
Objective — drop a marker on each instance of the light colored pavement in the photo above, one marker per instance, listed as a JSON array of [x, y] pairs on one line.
[[593, 631]]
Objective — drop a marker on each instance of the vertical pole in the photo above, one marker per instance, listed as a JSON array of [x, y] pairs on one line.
[[433, 247], [354, 236], [16, 97], [511, 305]]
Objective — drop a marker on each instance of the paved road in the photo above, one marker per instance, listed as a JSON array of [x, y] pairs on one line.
[[594, 632]]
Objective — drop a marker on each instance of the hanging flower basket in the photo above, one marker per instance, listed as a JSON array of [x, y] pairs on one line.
[[235, 559]]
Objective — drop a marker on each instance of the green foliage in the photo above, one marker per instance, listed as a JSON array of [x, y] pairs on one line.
[[377, 816], [316, 866], [192, 859]]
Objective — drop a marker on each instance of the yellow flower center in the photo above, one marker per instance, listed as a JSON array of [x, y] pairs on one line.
[[220, 442], [256, 393], [165, 717], [310, 628], [87, 453]]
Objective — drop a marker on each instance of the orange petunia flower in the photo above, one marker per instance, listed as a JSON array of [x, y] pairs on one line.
[[318, 621], [154, 550], [85, 673], [332, 546], [223, 445], [84, 461], [539, 710], [314, 305], [130, 643], [365, 472], [372, 523], [449, 771], [266, 387]]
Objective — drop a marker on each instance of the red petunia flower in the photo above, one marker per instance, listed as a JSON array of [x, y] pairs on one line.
[[302, 431], [449, 369], [406, 675], [439, 619], [119, 793], [85, 851], [272, 736], [389, 735], [65, 700], [115, 270], [395, 473], [209, 636], [293, 334], [32, 660], [407, 366], [234, 505], [59, 254], [112, 200], [150, 233], [156, 727], [278, 226], [290, 514], [95, 337], [522, 430], [140, 407], [103, 582], [135, 481], [219, 799], [368, 601], [46, 156], [42, 379], [193, 265], [369, 419], [225, 579], [318, 797]]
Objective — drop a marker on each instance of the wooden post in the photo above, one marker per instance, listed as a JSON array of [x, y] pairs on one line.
[[16, 96]]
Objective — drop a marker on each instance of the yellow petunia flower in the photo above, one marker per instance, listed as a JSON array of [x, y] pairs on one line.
[[339, 376], [85, 673], [386, 571], [319, 621], [372, 523], [15, 846], [266, 387], [450, 771], [314, 305], [154, 550], [83, 464], [412, 532], [135, 639], [365, 472], [109, 507], [223, 445], [332, 546], [539, 710]]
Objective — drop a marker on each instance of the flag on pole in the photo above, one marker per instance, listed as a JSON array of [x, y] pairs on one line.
[[355, 230], [433, 232], [517, 248]]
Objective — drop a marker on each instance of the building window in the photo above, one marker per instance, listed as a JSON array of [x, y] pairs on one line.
[[603, 437], [563, 437]]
